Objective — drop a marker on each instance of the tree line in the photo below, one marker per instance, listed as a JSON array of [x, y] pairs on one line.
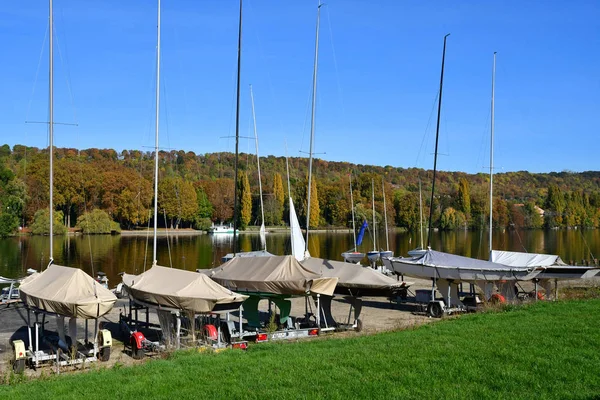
[[195, 191]]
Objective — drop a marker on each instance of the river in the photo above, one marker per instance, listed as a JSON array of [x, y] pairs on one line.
[[125, 253]]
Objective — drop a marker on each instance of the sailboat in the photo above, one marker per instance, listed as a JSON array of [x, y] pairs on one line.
[[263, 241], [373, 255], [58, 290], [173, 291], [352, 256], [419, 250], [387, 252]]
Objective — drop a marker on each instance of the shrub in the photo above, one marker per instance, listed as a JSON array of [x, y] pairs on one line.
[[97, 222], [41, 223]]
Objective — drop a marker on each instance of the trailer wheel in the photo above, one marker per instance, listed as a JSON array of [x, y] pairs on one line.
[[434, 310], [104, 354], [137, 354], [19, 366], [359, 325]]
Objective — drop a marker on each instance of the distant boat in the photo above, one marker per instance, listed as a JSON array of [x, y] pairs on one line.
[[353, 256], [373, 255], [221, 229]]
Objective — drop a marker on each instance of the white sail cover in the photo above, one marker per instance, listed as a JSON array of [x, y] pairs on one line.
[[181, 290], [518, 259], [353, 276], [66, 291], [8, 281], [263, 236], [298, 243], [277, 275]]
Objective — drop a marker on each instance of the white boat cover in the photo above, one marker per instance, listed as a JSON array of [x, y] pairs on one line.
[[277, 274], [66, 291], [446, 260], [8, 281], [179, 289], [518, 259], [298, 243], [353, 276], [256, 253]]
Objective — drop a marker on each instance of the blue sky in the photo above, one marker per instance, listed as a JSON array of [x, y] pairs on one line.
[[378, 78]]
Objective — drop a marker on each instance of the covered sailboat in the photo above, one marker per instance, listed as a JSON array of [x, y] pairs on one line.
[[178, 289], [554, 267], [68, 292]]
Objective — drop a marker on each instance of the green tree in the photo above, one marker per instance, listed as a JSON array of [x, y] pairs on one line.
[[177, 200], [245, 201], [41, 223], [97, 222], [554, 207]]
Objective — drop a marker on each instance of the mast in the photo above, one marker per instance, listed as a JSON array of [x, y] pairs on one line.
[[312, 123], [492, 152], [154, 258], [262, 210], [51, 129], [387, 239], [237, 134], [421, 212], [373, 203], [437, 136], [287, 166], [352, 208]]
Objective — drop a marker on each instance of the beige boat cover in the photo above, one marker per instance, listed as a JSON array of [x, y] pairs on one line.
[[352, 275], [180, 289], [277, 274], [66, 291]]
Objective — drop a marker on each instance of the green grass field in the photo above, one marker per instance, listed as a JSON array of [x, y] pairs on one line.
[[541, 351]]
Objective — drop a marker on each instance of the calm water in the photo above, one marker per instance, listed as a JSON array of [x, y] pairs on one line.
[[114, 254]]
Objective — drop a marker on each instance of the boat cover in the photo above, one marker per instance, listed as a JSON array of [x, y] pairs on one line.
[[255, 253], [518, 259], [439, 259], [277, 275], [179, 289], [66, 291], [8, 281], [354, 276]]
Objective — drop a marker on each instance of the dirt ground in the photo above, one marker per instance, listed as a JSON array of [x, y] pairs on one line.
[[378, 314]]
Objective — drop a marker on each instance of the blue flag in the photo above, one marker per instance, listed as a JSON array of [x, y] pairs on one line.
[[361, 233]]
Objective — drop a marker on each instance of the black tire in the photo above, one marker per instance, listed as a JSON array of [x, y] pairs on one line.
[[19, 366], [138, 354], [104, 354], [359, 325], [434, 310]]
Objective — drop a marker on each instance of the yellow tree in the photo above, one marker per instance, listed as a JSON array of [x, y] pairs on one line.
[[315, 210], [279, 197], [246, 201]]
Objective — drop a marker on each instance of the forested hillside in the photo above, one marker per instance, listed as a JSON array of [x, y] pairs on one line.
[[195, 190]]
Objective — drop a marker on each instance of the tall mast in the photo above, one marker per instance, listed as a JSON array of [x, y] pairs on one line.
[[492, 152], [352, 208], [421, 212], [437, 136], [154, 258], [262, 210], [312, 123], [287, 166], [237, 134], [373, 203], [387, 238], [51, 130]]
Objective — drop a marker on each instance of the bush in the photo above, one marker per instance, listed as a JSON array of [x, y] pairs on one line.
[[8, 224], [41, 223], [97, 222], [202, 224]]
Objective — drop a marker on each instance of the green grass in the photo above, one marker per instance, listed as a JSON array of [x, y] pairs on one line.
[[546, 350]]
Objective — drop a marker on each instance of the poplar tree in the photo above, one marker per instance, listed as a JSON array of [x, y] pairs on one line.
[[279, 197], [315, 210], [246, 201]]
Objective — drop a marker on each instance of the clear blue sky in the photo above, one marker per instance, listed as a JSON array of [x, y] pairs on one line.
[[378, 78]]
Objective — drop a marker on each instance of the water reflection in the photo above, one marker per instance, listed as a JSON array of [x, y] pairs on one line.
[[133, 254]]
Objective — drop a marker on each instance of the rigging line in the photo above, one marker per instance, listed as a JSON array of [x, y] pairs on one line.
[[306, 117], [37, 71], [425, 134], [337, 73], [147, 240], [586, 244], [66, 66]]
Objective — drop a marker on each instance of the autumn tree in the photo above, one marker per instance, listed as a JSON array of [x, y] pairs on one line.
[[220, 195], [463, 199], [315, 209], [245, 214], [279, 197], [177, 200], [554, 207]]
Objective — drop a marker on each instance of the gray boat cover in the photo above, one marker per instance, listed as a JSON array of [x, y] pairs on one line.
[[66, 291], [352, 275], [518, 259], [439, 259], [255, 253], [179, 289], [276, 274]]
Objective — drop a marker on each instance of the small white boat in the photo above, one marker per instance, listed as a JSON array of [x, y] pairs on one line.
[[227, 229], [353, 257]]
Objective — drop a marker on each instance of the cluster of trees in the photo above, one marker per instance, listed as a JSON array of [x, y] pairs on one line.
[[197, 190]]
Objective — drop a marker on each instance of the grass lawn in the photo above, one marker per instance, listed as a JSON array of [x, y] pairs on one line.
[[545, 350]]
